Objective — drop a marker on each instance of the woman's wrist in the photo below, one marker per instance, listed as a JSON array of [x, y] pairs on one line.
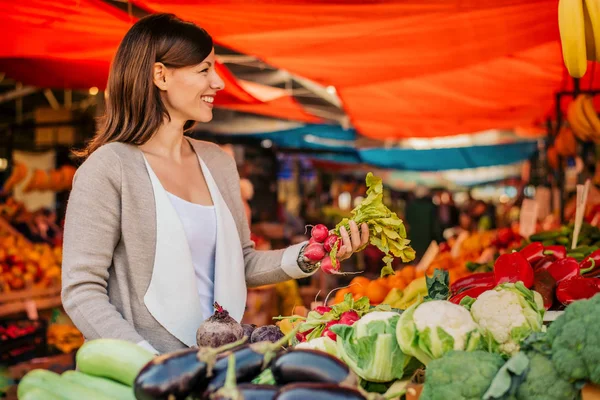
[[305, 264]]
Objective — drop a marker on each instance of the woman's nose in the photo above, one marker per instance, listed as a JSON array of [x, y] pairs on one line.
[[217, 83]]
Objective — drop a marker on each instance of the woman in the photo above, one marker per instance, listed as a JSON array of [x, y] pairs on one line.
[[155, 228]]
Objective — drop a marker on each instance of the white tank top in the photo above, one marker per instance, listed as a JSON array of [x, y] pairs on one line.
[[200, 225]]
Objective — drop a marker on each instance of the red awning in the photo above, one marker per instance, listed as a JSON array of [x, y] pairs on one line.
[[413, 68], [70, 44]]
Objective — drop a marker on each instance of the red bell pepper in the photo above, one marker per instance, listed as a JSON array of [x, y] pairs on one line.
[[590, 263], [543, 263], [556, 251], [473, 292], [563, 269], [545, 285], [504, 236], [577, 288], [473, 280], [533, 252], [513, 267]]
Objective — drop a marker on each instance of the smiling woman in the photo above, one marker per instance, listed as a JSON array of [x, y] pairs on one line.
[[155, 230]]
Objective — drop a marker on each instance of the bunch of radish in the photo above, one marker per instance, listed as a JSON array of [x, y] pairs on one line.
[[319, 249]]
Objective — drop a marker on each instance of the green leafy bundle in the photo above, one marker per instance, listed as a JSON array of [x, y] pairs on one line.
[[386, 230]]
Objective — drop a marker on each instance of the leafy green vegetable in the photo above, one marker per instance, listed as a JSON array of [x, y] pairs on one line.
[[370, 349], [386, 230], [265, 378], [508, 378], [438, 286], [460, 375]]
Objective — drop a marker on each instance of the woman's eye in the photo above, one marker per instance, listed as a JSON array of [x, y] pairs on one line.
[[204, 70]]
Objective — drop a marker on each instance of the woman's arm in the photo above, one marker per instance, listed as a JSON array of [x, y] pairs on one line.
[[92, 231]]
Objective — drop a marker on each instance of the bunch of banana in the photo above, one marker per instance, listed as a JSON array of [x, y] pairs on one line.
[[583, 119], [579, 25]]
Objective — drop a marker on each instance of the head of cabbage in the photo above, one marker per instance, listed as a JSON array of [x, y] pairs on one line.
[[370, 348], [428, 330]]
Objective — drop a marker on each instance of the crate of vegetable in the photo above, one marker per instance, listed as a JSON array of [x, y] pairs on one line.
[[21, 340]]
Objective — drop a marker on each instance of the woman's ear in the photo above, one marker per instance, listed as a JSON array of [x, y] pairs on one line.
[[159, 75]]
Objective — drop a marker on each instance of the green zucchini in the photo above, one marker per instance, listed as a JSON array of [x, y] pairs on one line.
[[39, 394], [53, 383], [114, 359], [114, 389]]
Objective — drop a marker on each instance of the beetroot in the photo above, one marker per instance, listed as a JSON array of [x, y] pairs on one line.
[[331, 241], [328, 267], [219, 329], [248, 329], [314, 252], [267, 333], [320, 233]]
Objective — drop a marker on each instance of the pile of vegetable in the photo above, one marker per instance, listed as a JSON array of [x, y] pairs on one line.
[[386, 232], [555, 273]]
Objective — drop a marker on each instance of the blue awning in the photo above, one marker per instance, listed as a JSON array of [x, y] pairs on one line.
[[448, 158]]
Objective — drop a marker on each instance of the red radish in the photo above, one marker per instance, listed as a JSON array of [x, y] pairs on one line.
[[320, 233], [314, 252], [331, 241], [301, 336], [349, 317], [322, 309], [328, 268], [327, 332], [312, 240]]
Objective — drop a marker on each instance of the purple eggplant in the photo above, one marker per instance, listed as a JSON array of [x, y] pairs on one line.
[[176, 375], [297, 366], [318, 391], [172, 375], [258, 392]]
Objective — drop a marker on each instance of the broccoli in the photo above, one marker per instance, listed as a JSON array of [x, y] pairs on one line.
[[575, 341], [543, 382], [460, 375]]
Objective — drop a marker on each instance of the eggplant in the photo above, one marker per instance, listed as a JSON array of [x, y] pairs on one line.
[[249, 363], [171, 375], [258, 392], [176, 375], [318, 391], [311, 366]]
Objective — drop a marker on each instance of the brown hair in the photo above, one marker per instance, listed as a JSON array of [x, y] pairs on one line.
[[134, 108]]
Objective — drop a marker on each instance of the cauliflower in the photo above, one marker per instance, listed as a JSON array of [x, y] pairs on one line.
[[507, 315], [460, 375], [429, 330], [575, 342]]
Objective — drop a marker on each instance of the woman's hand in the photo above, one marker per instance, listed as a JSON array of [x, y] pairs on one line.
[[353, 241]]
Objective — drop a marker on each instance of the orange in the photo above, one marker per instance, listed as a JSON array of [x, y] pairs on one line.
[[396, 281], [359, 284], [408, 273], [376, 292]]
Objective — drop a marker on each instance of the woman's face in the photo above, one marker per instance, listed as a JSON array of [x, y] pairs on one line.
[[189, 92]]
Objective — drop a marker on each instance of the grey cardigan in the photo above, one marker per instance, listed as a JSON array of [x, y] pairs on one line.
[[121, 259]]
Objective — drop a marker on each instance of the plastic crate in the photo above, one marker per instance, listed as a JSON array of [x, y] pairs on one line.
[[25, 347]]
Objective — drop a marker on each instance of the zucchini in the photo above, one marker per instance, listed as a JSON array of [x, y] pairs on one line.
[[114, 359], [111, 388], [53, 383], [39, 394]]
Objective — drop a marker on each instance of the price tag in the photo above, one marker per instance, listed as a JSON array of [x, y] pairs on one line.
[[430, 254], [528, 217], [31, 309]]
